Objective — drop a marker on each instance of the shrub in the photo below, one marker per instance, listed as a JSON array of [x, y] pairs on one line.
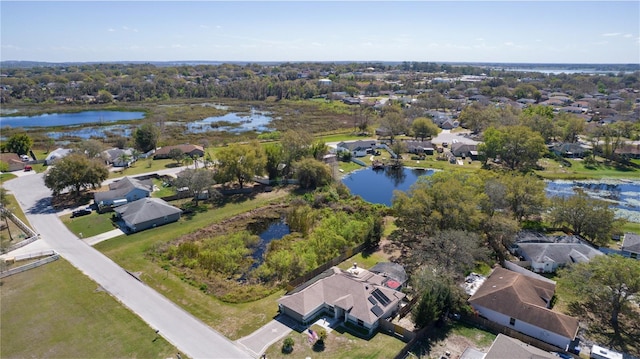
[[287, 346]]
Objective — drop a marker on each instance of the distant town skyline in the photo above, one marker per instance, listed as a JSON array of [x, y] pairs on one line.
[[295, 31]]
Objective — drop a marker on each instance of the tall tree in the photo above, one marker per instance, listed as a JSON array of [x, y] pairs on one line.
[[312, 173], [393, 121], [585, 216], [517, 147], [240, 163], [197, 181], [605, 288], [19, 143], [525, 195], [75, 172], [146, 137], [423, 127]]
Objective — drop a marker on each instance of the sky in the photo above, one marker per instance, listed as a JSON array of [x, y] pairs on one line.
[[424, 31]]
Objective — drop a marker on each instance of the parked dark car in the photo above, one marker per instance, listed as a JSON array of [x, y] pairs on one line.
[[80, 212]]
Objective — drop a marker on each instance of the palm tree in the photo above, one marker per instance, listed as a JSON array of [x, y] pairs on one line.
[[124, 158]]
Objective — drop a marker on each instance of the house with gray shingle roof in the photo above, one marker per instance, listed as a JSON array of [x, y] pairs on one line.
[[147, 213], [506, 347], [522, 303], [631, 245], [356, 296], [548, 257], [125, 190]]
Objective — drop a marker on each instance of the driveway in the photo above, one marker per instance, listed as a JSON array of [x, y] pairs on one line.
[[447, 136], [257, 342], [188, 334]]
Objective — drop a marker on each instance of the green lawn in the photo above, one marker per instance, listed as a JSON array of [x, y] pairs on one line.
[[365, 261], [232, 320], [89, 225], [143, 166], [632, 227], [480, 337], [339, 344], [55, 311], [554, 170]]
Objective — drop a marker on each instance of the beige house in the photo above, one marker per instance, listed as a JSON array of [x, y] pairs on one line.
[[354, 296]]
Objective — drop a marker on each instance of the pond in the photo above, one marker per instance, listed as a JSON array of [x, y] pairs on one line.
[[623, 195], [275, 230], [377, 186], [69, 119], [233, 122]]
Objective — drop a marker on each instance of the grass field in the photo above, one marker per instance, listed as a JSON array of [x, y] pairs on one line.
[[89, 225], [554, 170], [55, 311], [339, 344], [144, 166], [232, 320]]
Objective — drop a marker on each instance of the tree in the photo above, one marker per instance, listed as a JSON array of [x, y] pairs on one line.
[[295, 146], [146, 137], [240, 163], [393, 122], [75, 172], [438, 295], [91, 148], [573, 126], [585, 216], [177, 155], [605, 288], [518, 147], [19, 143], [453, 251], [311, 173], [104, 96], [423, 127], [524, 195], [197, 181]]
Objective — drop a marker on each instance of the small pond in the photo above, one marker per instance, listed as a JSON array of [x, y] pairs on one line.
[[69, 119], [377, 186], [275, 230]]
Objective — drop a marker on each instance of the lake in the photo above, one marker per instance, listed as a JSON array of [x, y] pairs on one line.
[[623, 195], [69, 119], [377, 186]]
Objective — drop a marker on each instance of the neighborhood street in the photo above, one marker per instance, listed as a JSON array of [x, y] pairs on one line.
[[188, 334]]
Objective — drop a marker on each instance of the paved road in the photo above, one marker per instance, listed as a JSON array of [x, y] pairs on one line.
[[185, 332]]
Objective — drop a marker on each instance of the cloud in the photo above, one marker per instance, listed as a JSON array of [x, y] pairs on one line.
[[509, 43], [111, 29], [610, 34], [204, 27], [628, 36], [127, 28]]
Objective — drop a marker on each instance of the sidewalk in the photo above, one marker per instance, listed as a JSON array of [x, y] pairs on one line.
[[102, 237]]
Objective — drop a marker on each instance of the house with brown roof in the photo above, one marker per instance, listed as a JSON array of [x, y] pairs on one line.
[[355, 296], [522, 303], [187, 149], [13, 160]]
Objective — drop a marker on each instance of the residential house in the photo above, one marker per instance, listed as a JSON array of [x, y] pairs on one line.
[[118, 157], [569, 150], [419, 147], [522, 303], [449, 124], [56, 155], [506, 347], [631, 245], [147, 213], [123, 191], [13, 160], [464, 150], [548, 257], [187, 149], [355, 296], [358, 148], [394, 273], [629, 151]]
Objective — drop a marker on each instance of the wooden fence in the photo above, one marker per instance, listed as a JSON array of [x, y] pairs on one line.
[[323, 267], [50, 256]]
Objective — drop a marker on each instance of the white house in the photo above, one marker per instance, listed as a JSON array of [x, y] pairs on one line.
[[548, 257], [356, 296], [522, 303], [56, 155]]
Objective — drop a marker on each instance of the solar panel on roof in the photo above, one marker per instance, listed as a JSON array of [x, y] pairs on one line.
[[381, 297], [372, 300], [377, 311]]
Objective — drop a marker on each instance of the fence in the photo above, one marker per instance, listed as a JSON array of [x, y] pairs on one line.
[[497, 328], [28, 231], [402, 333], [50, 257], [323, 267]]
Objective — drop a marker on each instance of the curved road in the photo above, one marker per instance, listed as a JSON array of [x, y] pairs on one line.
[[191, 336]]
